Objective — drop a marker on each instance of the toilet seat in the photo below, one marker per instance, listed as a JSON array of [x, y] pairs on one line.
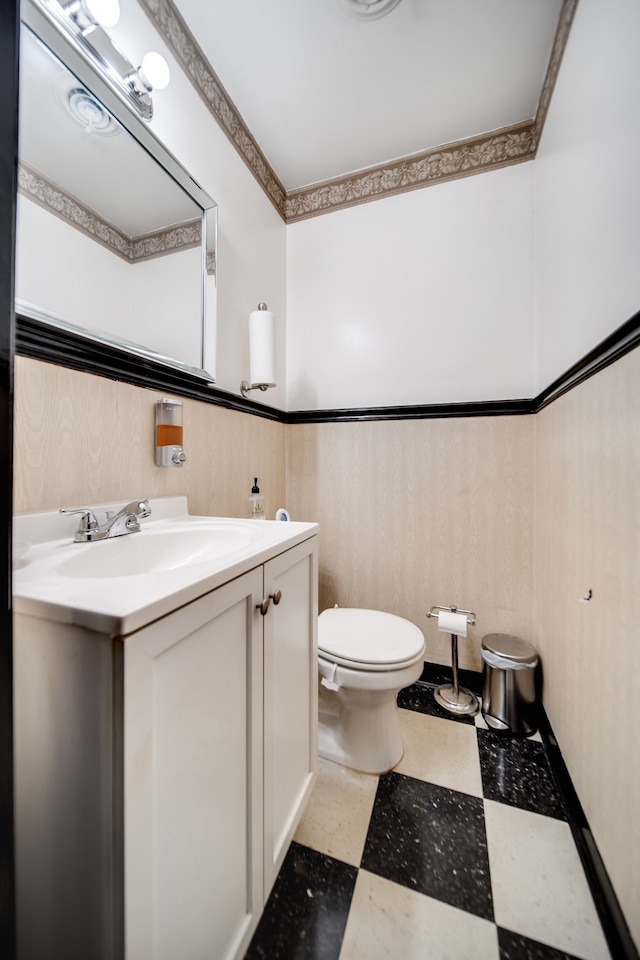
[[368, 639]]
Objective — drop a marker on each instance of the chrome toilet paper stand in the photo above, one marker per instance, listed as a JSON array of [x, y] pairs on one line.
[[451, 696]]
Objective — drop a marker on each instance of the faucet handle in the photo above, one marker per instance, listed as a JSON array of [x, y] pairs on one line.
[[87, 520]]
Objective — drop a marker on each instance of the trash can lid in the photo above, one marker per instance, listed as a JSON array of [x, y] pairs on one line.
[[506, 645]]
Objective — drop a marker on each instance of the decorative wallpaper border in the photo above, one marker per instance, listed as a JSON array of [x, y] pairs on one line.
[[462, 159], [33, 185], [183, 236], [184, 46], [560, 42], [490, 151]]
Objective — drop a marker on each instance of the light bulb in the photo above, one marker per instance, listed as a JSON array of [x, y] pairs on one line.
[[155, 71], [106, 13]]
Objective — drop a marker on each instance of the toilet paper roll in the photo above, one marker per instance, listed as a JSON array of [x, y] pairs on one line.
[[452, 623]]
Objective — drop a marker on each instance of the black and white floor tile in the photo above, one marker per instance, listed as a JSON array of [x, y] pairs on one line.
[[461, 852]]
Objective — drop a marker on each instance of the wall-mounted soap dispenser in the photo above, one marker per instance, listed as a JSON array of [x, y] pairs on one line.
[[169, 452]]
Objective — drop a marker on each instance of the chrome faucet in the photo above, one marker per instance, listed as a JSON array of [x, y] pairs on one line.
[[115, 525]]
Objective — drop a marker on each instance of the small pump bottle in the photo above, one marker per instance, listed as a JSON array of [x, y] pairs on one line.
[[256, 502]]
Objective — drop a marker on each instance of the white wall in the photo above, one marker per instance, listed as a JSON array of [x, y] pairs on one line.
[[587, 194], [251, 234], [440, 306], [420, 298], [64, 272], [167, 305]]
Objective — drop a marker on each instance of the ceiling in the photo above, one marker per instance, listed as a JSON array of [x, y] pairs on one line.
[[325, 94]]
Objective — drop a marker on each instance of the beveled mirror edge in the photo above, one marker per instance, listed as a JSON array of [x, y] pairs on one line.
[[29, 311], [41, 341]]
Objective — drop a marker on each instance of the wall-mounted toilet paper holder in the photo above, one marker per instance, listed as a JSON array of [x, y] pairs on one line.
[[451, 696], [470, 613]]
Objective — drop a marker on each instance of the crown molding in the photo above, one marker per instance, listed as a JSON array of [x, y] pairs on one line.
[[489, 151]]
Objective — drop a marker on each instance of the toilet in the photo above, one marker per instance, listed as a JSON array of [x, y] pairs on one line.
[[365, 657]]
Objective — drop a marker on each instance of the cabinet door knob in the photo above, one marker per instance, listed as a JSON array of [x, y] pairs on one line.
[[276, 597], [263, 606]]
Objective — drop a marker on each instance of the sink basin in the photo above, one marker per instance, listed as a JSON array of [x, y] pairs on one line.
[[152, 551], [119, 585]]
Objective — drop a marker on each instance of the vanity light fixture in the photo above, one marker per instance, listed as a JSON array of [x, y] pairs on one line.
[[89, 13], [153, 74], [155, 71], [83, 23], [261, 351]]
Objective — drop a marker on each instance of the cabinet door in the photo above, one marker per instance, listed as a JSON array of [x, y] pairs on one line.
[[193, 778], [290, 697]]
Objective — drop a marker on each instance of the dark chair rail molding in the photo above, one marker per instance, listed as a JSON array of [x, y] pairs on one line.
[[426, 411], [42, 342], [624, 339]]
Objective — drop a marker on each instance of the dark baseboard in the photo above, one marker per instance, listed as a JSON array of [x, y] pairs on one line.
[[614, 925]]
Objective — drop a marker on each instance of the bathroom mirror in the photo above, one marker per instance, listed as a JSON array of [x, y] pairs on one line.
[[114, 240]]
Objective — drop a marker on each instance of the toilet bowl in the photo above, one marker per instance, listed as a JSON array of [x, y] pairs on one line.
[[365, 657]]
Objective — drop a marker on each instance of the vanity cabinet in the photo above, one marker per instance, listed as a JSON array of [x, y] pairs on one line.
[[219, 753], [290, 699], [164, 753]]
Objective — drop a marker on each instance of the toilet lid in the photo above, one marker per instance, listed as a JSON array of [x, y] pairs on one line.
[[368, 636]]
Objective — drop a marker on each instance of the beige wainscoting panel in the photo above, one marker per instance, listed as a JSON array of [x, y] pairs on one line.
[[587, 537], [82, 439], [416, 513]]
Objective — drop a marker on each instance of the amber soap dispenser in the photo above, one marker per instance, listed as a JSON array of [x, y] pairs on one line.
[[169, 438]]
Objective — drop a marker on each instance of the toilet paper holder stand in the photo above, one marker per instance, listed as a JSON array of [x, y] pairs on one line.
[[451, 696]]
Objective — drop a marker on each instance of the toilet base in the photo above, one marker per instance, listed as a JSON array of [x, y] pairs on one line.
[[364, 733]]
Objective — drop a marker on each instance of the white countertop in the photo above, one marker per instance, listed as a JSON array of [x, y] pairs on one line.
[[119, 605]]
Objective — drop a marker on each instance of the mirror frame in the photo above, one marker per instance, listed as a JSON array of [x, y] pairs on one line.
[[41, 336]]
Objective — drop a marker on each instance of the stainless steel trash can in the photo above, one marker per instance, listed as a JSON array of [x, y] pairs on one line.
[[509, 699]]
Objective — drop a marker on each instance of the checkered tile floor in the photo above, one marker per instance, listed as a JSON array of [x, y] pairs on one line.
[[462, 852]]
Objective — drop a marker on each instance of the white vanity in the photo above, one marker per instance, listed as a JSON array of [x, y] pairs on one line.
[[166, 708]]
